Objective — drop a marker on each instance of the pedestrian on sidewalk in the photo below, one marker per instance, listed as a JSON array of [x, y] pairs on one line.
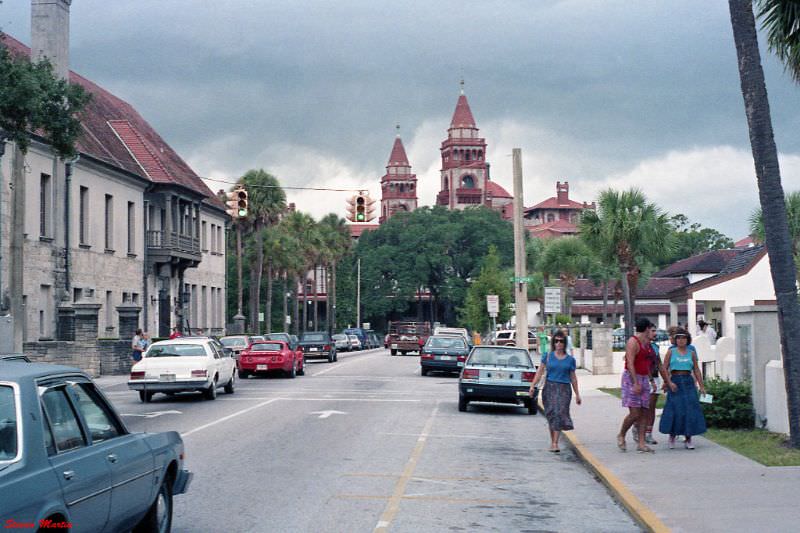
[[636, 383], [559, 367], [682, 413], [136, 346], [658, 376]]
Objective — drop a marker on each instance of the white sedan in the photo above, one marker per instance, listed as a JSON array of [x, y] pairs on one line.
[[182, 364]]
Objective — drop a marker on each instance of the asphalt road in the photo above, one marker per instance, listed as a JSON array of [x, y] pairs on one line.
[[367, 444]]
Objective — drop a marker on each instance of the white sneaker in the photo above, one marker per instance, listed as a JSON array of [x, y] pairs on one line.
[[689, 445]]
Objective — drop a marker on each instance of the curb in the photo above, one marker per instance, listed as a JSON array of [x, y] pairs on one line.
[[640, 512]]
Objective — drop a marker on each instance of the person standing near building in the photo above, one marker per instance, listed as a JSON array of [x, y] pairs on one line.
[[559, 367], [175, 333], [682, 413], [136, 346], [636, 383], [704, 328], [543, 345]]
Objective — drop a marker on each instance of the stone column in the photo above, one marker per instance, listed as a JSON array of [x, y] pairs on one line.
[[65, 323], [86, 321], [128, 320], [673, 314], [691, 315], [238, 324], [602, 354]]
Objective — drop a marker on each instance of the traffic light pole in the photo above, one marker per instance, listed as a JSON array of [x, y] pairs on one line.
[[358, 292], [520, 286]]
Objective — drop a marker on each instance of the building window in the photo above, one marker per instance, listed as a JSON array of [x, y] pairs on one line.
[[44, 315], [45, 207], [109, 311], [83, 216], [131, 228], [204, 235], [551, 217], [109, 222], [220, 241], [213, 238], [468, 182]]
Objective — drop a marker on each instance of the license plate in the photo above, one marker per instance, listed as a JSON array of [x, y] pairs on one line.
[[394, 346], [461, 363], [499, 375], [166, 377], [523, 393], [445, 358], [312, 349], [261, 367]]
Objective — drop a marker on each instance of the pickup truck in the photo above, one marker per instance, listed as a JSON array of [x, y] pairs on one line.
[[407, 336]]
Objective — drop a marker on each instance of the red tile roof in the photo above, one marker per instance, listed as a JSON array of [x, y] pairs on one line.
[[496, 190], [398, 157], [655, 288], [712, 262], [744, 243], [558, 227], [115, 133], [462, 117], [553, 203]]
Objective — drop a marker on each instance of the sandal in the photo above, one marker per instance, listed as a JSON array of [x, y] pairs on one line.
[[621, 443], [646, 449], [554, 450]]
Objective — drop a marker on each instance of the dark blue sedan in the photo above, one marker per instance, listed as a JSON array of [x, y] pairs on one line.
[[67, 460]]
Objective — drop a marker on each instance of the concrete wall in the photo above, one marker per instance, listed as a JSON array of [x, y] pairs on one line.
[[94, 357], [775, 410]]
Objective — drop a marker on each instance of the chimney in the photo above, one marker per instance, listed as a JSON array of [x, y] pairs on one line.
[[50, 34], [562, 192]]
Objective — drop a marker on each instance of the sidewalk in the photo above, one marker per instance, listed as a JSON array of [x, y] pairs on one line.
[[710, 488]]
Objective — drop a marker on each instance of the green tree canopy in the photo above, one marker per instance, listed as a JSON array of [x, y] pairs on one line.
[[491, 280]]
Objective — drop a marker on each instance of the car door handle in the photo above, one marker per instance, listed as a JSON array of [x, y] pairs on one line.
[[69, 474], [112, 458]]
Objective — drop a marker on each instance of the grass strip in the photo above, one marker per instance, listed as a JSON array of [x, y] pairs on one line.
[[760, 445]]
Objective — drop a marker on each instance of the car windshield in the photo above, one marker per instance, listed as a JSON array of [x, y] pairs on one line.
[[176, 350], [233, 342], [266, 347], [313, 337], [339, 337], [453, 343], [8, 424], [277, 337], [504, 335], [494, 356]]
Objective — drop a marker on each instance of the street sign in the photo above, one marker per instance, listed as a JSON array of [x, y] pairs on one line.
[[493, 304], [365, 325], [552, 299], [520, 279], [261, 317]]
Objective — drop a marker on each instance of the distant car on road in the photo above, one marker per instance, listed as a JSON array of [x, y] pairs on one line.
[[442, 330], [237, 343], [66, 457], [355, 342], [266, 356], [342, 342], [318, 345], [443, 352], [501, 374], [508, 337], [181, 365]]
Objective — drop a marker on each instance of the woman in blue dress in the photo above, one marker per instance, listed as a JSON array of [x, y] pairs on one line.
[[557, 394], [682, 413]]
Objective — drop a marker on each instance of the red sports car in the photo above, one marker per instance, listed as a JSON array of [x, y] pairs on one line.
[[267, 356]]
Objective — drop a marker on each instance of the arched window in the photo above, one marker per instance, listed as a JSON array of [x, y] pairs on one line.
[[480, 155], [402, 207], [467, 155], [468, 182], [402, 187], [446, 184], [551, 217]]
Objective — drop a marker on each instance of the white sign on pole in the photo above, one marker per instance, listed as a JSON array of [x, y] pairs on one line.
[[493, 304], [261, 317], [552, 299]]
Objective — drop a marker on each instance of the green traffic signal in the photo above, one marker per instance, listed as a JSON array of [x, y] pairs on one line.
[[360, 217]]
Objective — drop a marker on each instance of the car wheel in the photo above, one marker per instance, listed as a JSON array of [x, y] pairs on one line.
[[330, 357], [211, 392], [293, 373], [393, 352], [302, 371], [145, 397], [243, 374], [229, 388], [335, 356], [423, 371], [159, 516], [462, 403], [403, 353]]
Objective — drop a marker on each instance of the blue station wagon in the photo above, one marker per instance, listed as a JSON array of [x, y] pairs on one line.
[[499, 374], [67, 459]]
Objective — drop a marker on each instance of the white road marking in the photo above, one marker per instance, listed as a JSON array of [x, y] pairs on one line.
[[332, 399], [349, 362], [153, 414], [441, 436], [327, 414], [224, 418]]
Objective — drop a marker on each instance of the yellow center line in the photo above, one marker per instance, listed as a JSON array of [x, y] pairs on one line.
[[400, 487]]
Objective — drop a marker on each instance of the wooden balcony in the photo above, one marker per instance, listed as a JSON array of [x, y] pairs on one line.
[[171, 247]]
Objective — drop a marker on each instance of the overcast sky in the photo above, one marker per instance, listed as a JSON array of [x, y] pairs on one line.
[[611, 93]]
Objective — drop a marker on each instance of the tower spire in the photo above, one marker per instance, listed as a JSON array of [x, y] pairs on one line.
[[462, 85]]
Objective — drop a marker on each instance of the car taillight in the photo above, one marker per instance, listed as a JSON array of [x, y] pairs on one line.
[[327, 347], [470, 373], [528, 376], [462, 358], [425, 355], [199, 373], [244, 352], [137, 375], [421, 342]]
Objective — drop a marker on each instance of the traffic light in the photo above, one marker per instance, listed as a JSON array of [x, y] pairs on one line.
[[236, 201], [361, 208], [369, 208]]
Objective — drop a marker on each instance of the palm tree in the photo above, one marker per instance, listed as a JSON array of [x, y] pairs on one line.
[[568, 258], [304, 233], [624, 229], [267, 202], [781, 20], [770, 191], [793, 218], [337, 240]]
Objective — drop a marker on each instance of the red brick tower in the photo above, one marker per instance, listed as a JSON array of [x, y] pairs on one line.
[[398, 185], [464, 169]]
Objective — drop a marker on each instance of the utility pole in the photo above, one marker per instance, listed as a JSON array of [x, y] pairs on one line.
[[520, 279], [358, 292]]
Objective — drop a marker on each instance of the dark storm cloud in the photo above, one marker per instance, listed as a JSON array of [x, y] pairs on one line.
[[615, 82]]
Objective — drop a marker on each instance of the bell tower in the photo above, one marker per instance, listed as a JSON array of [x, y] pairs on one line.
[[464, 171], [398, 185]]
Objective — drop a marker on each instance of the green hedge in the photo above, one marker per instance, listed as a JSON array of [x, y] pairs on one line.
[[732, 407]]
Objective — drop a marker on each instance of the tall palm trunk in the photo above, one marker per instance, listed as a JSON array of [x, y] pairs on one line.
[[605, 301], [327, 277], [296, 310], [239, 288], [268, 306], [332, 296], [316, 298], [773, 206], [628, 304], [284, 290], [305, 296], [256, 274]]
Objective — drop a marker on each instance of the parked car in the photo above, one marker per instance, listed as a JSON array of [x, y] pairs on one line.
[[361, 333], [67, 457], [342, 342], [181, 365], [318, 345], [508, 337], [443, 352], [282, 336], [501, 374], [257, 338], [14, 357], [266, 356], [355, 342], [618, 338], [237, 343], [374, 340], [441, 330]]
